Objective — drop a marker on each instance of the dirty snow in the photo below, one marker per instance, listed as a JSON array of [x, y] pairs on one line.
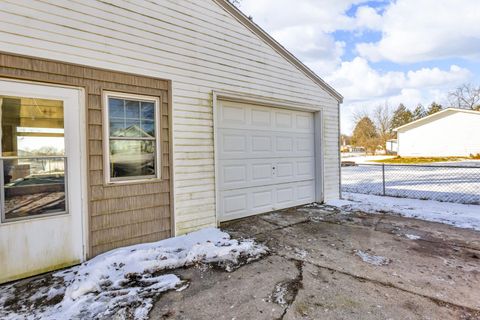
[[413, 237], [300, 253], [279, 293], [123, 283], [456, 214], [371, 259]]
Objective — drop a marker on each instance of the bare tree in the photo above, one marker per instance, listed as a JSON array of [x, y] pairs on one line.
[[465, 97], [382, 118], [359, 114]]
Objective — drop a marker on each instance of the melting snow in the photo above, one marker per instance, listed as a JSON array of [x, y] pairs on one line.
[[123, 282], [412, 237], [459, 215], [279, 294], [371, 259]]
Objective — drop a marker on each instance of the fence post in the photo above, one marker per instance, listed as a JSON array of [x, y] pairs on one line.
[[383, 178]]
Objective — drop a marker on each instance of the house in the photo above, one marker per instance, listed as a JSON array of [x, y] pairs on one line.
[[450, 132], [391, 146], [143, 120]]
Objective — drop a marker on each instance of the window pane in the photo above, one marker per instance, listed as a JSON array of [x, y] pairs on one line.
[[138, 120], [148, 111], [32, 127], [148, 128], [132, 158], [33, 187], [117, 127], [133, 128], [132, 109], [116, 108]]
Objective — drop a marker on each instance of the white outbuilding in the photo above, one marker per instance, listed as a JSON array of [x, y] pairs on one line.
[[450, 132]]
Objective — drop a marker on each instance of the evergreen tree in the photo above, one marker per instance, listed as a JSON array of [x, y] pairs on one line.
[[419, 112], [401, 116], [434, 108]]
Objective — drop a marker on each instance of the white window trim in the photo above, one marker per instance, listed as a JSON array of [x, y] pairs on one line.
[[106, 138]]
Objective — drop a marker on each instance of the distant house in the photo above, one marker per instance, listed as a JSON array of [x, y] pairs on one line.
[[451, 132], [391, 146]]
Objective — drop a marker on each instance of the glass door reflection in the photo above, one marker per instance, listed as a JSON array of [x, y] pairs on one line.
[[32, 157]]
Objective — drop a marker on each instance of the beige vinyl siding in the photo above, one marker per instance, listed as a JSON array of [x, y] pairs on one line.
[[197, 45]]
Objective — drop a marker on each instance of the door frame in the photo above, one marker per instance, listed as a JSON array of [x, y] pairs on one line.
[[83, 160], [319, 125]]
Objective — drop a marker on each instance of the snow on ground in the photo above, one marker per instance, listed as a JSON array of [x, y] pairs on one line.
[[371, 259], [413, 237], [123, 282], [459, 215], [362, 158], [450, 184]]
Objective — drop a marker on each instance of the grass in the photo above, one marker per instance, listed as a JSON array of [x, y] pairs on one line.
[[412, 160]]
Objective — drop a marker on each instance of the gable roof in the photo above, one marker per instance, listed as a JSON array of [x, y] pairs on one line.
[[262, 34], [435, 116]]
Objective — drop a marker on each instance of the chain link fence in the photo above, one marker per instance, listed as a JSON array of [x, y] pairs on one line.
[[460, 184]]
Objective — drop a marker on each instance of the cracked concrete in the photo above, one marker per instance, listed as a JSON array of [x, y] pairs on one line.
[[313, 271]]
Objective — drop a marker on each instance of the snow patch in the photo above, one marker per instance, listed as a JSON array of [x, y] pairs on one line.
[[371, 259], [456, 214], [412, 237], [123, 282], [279, 294], [300, 253]]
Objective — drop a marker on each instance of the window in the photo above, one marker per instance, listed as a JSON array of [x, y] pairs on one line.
[[131, 135], [32, 157]]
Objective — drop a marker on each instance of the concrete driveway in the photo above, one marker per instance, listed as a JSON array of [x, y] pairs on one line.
[[326, 264]]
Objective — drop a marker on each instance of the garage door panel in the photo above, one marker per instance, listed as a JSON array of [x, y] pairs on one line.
[[306, 169], [262, 199], [304, 144], [248, 144], [261, 172], [262, 143], [266, 159], [234, 143], [233, 115], [284, 144], [306, 192], [235, 203], [240, 203], [285, 170], [235, 173], [285, 195], [284, 119], [261, 118], [256, 172], [304, 122]]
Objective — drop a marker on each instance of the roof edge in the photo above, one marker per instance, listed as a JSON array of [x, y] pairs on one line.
[[255, 28], [435, 115]]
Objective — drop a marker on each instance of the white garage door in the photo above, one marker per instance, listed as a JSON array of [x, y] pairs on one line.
[[266, 159]]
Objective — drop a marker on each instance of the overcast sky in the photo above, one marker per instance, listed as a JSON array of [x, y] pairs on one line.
[[372, 52]]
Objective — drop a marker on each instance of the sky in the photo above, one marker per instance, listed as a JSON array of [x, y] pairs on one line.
[[379, 52]]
